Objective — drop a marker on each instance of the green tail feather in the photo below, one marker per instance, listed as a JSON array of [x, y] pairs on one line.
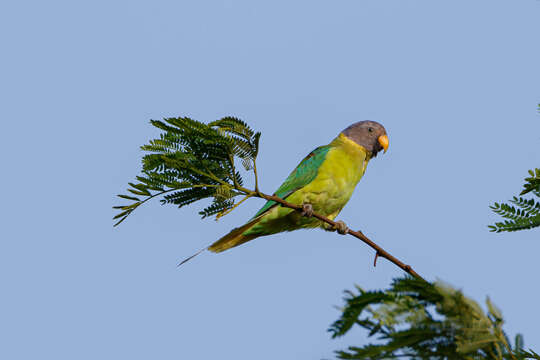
[[235, 237]]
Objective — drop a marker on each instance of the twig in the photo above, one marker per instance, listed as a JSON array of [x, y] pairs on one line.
[[225, 212], [357, 234], [256, 176]]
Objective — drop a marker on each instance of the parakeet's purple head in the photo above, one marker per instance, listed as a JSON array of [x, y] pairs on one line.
[[369, 134]]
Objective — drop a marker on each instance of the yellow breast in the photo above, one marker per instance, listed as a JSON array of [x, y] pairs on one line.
[[337, 177]]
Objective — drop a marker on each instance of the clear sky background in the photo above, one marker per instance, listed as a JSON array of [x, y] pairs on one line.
[[456, 84]]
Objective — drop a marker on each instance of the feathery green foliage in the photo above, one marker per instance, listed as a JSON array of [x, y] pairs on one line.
[[415, 319], [192, 161], [524, 213]]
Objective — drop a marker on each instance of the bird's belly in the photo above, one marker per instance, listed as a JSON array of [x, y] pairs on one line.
[[328, 193], [330, 196]]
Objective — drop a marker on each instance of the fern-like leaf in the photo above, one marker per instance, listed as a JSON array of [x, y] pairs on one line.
[[524, 213], [420, 320], [217, 207], [191, 161], [532, 183]]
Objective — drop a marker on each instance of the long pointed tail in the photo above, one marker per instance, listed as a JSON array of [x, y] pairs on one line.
[[191, 257], [235, 237], [232, 239]]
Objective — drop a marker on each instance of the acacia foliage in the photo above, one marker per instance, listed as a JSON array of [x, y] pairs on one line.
[[415, 319], [191, 161], [521, 213]]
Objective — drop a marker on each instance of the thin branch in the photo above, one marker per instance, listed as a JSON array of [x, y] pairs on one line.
[[159, 193], [225, 212], [256, 176], [209, 175], [357, 234], [233, 171], [139, 203]]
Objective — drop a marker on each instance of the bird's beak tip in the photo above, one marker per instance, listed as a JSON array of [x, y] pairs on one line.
[[383, 141]]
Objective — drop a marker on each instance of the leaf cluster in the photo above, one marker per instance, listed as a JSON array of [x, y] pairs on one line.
[[524, 213], [416, 319], [191, 161]]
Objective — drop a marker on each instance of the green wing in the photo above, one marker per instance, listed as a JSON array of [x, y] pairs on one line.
[[304, 173]]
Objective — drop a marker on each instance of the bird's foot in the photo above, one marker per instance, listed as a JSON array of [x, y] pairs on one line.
[[307, 210], [341, 228]]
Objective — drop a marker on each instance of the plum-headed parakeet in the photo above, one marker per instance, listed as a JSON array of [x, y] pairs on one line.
[[323, 182]]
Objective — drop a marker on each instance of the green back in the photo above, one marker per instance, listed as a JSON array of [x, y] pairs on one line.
[[304, 173]]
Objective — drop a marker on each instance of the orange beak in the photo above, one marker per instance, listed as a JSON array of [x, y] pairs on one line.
[[383, 140]]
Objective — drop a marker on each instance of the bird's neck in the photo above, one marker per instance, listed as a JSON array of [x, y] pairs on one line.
[[351, 147]]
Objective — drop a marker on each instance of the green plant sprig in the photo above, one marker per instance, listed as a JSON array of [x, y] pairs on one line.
[[416, 319], [191, 161], [524, 213]]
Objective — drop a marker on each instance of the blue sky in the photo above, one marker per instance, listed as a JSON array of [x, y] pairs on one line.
[[456, 84]]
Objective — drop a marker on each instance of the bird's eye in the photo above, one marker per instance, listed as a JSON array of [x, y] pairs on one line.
[[370, 129]]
